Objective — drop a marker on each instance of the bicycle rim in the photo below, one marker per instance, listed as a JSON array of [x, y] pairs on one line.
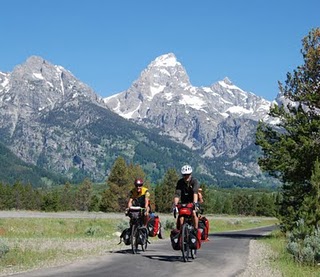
[[134, 245], [185, 242]]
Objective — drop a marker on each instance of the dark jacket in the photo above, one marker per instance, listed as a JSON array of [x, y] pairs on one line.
[[185, 190]]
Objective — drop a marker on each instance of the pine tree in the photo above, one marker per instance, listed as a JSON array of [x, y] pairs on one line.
[[291, 149], [164, 191], [83, 196], [311, 203]]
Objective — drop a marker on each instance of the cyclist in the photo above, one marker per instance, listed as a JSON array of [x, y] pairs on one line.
[[187, 192], [139, 196]]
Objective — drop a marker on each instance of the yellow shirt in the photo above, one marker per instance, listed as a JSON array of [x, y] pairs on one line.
[[140, 198]]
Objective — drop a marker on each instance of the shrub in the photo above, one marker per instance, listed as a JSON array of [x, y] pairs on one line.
[[92, 230], [304, 248], [4, 249], [122, 225]]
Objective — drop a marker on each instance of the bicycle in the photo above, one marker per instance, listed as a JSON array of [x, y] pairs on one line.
[[139, 233], [186, 211]]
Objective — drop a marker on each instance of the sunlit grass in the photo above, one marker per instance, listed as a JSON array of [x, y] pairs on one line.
[[284, 262]]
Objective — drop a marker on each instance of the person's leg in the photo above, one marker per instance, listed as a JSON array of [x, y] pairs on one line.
[[195, 219]]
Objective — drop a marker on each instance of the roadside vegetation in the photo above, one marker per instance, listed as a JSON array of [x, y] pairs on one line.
[[284, 262]]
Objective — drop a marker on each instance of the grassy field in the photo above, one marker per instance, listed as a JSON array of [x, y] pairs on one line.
[[32, 243], [283, 261]]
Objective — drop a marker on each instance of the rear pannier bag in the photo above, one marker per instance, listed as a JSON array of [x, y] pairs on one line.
[[125, 236], [204, 226], [195, 239], [153, 225], [175, 239]]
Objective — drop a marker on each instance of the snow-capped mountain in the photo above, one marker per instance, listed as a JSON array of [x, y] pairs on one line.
[[217, 120], [51, 119]]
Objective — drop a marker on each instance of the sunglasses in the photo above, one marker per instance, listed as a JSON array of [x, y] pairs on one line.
[[139, 186]]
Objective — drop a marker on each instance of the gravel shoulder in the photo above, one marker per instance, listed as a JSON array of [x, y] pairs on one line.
[[259, 261]]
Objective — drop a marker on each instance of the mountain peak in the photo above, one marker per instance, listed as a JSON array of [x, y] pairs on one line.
[[227, 81], [166, 60]]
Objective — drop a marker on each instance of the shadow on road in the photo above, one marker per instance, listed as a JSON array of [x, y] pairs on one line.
[[166, 258]]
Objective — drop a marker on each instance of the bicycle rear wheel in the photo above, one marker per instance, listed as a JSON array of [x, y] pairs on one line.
[[134, 242], [185, 242]]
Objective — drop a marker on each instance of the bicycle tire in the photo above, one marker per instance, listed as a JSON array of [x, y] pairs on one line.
[[193, 253], [134, 242], [185, 242], [145, 245]]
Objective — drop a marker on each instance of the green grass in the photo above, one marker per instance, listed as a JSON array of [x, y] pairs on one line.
[[42, 242], [284, 262]]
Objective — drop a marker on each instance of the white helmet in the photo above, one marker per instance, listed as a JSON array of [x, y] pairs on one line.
[[186, 169]]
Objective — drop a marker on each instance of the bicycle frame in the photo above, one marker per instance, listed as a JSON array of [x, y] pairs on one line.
[[136, 222], [186, 211]]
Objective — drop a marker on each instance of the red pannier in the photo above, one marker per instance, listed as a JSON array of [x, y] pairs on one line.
[[153, 225], [185, 209], [203, 227]]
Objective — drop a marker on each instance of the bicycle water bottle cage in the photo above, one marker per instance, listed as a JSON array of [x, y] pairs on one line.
[[185, 209]]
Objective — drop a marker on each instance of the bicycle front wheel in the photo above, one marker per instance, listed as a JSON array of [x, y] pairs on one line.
[[134, 241], [185, 242]]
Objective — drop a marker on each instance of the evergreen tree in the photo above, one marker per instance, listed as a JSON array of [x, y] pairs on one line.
[[67, 198], [164, 191], [291, 149], [311, 204], [115, 197], [83, 196]]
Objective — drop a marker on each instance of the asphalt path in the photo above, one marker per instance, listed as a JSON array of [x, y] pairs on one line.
[[224, 255]]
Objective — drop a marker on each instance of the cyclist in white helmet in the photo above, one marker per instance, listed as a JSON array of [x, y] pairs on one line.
[[187, 192]]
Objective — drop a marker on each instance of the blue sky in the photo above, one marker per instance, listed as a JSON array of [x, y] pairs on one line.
[[107, 44]]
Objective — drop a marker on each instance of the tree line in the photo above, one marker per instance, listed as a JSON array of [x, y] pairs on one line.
[[112, 196]]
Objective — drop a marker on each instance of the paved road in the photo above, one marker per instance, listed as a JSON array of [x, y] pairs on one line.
[[223, 256]]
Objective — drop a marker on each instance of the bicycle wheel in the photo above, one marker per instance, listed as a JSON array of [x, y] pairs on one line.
[[134, 242], [193, 253], [144, 239], [185, 242]]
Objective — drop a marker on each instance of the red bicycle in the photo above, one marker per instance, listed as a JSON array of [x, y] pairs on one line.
[[187, 240]]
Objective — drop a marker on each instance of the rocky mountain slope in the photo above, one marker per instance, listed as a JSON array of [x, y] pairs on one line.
[[51, 119], [217, 121]]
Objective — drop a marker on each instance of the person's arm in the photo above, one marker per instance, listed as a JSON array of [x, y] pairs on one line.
[[147, 201], [195, 190], [200, 198], [176, 200], [195, 198], [177, 195], [130, 203]]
